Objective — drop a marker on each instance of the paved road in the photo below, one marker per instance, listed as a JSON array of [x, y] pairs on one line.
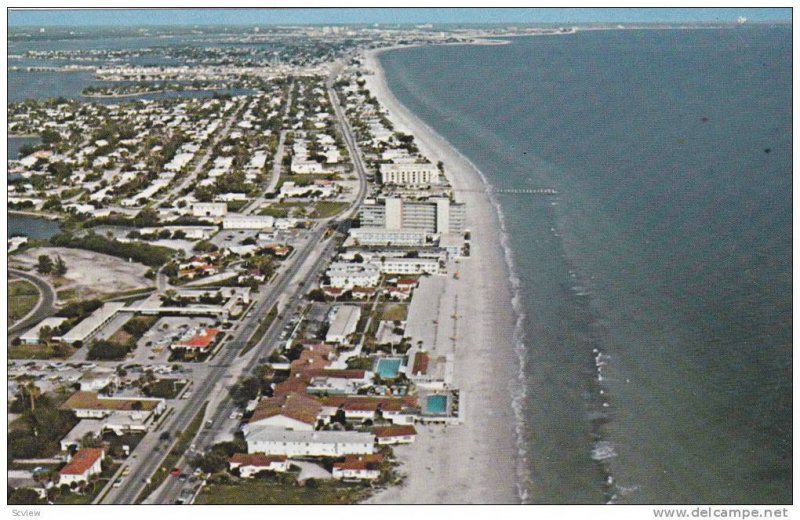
[[219, 368], [45, 307], [277, 161], [190, 178]]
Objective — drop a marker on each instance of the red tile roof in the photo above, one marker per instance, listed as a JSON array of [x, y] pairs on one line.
[[421, 360], [200, 341], [359, 462], [82, 461], [91, 401], [293, 384], [397, 430], [296, 406], [312, 357]]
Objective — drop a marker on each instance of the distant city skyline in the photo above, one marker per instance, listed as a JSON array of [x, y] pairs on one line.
[[364, 15]]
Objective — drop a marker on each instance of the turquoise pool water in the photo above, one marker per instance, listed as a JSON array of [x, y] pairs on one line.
[[388, 368], [437, 404]]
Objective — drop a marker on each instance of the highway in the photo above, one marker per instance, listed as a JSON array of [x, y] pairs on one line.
[[325, 251], [44, 308]]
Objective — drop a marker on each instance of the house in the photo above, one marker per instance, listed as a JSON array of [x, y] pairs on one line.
[[361, 467], [361, 293], [313, 357], [120, 413], [276, 441], [84, 464], [249, 464], [395, 434], [292, 411], [209, 209]]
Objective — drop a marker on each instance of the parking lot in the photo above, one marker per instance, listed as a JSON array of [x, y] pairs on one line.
[[153, 346]]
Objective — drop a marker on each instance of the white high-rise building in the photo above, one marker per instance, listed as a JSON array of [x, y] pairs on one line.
[[410, 174]]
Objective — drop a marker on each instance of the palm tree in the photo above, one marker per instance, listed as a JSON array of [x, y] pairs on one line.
[[33, 393]]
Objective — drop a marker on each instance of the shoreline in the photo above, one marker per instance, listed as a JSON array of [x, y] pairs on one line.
[[481, 460]]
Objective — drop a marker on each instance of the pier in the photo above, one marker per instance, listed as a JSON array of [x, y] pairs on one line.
[[516, 191]]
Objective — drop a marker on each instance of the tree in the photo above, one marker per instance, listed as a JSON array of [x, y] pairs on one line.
[[60, 267], [50, 136], [339, 417], [33, 392], [44, 265], [24, 496]]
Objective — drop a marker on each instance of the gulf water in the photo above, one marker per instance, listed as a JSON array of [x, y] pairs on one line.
[[656, 286]]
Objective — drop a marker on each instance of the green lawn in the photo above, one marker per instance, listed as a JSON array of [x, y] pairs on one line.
[[165, 388], [22, 298], [326, 209], [284, 209], [67, 294], [258, 491], [40, 351], [395, 312]]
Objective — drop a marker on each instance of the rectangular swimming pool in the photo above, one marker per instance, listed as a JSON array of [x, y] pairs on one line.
[[388, 368], [437, 404]]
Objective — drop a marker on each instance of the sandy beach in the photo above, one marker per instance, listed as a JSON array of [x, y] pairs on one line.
[[474, 462]]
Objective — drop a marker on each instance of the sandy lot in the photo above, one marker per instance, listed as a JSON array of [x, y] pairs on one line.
[[89, 274]]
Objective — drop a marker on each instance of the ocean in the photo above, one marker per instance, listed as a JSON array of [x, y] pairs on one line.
[[656, 287]]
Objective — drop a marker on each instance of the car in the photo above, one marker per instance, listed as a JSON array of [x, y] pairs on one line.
[[117, 483], [126, 471], [175, 472], [182, 477]]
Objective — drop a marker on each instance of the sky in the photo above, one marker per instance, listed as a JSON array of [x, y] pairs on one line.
[[140, 17]]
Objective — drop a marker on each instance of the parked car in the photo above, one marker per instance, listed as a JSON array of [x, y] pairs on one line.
[[175, 472]]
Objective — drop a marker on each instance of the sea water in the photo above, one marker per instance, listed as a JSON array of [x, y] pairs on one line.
[[656, 286]]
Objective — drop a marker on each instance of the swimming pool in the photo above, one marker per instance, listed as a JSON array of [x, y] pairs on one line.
[[388, 368], [437, 404]]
